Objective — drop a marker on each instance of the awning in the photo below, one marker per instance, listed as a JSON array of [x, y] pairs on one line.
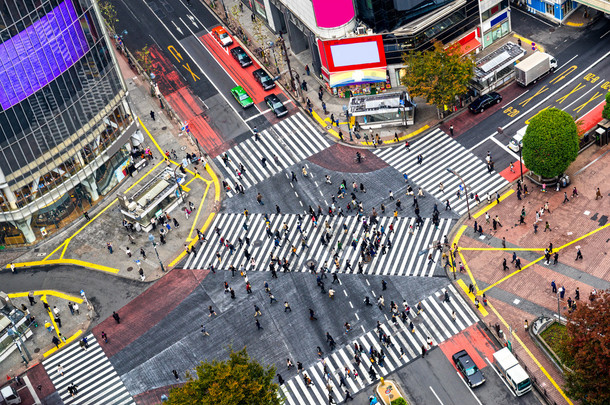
[[468, 44], [360, 76]]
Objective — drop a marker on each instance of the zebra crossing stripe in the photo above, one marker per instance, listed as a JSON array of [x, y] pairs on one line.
[[441, 152], [402, 259], [434, 321], [91, 371], [292, 140]]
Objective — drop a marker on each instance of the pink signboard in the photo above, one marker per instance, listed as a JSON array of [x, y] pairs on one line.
[[335, 13]]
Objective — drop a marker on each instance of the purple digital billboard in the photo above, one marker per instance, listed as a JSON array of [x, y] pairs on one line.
[[40, 53]]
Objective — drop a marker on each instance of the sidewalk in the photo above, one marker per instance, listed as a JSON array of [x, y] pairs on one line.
[[84, 242], [515, 296]]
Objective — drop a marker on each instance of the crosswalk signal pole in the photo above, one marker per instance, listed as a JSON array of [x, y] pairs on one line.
[[465, 190]]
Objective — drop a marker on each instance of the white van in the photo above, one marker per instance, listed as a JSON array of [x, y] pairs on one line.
[[517, 141], [512, 371], [10, 396]]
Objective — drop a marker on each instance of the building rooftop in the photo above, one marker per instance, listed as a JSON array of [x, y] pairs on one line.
[[498, 59], [379, 102]]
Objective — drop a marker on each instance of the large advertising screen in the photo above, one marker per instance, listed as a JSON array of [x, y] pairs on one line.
[[335, 13], [40, 53]]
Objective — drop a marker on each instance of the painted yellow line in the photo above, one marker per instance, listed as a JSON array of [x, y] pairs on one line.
[[458, 235], [481, 308], [75, 262], [571, 24], [67, 342], [472, 279], [528, 42], [584, 236], [54, 293], [143, 177], [53, 252], [493, 204], [503, 279], [527, 350], [401, 138], [152, 138], [199, 209], [324, 124], [507, 249], [63, 251]]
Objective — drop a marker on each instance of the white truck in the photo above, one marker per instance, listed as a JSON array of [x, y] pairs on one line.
[[532, 68], [512, 371]]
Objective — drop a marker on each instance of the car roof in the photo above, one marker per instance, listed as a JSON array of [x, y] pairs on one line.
[[238, 89], [237, 49], [219, 29], [272, 97]]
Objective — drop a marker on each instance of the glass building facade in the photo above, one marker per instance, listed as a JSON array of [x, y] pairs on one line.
[[64, 118]]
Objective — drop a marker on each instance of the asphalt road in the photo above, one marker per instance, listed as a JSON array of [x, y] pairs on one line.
[[577, 86], [107, 292]]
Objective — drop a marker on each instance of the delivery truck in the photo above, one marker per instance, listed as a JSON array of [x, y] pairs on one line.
[[534, 67], [512, 371]]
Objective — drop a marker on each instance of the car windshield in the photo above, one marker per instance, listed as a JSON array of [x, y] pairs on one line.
[[277, 104], [243, 97], [223, 35], [470, 371], [241, 56]]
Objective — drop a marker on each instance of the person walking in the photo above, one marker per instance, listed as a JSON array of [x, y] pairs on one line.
[[598, 194], [116, 317], [565, 198], [211, 310], [60, 369], [109, 246], [553, 287], [152, 115], [176, 376], [258, 325], [104, 337], [287, 307], [578, 255]]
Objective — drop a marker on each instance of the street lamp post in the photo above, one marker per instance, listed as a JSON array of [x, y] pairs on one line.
[[151, 238], [465, 190], [521, 162]]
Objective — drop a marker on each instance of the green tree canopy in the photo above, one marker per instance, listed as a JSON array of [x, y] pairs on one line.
[[606, 111], [438, 75], [236, 381], [550, 143], [588, 344]]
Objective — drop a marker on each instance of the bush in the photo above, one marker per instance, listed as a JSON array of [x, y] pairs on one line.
[[399, 401], [606, 112]]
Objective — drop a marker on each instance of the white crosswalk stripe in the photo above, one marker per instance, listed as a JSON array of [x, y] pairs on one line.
[[91, 372], [435, 322], [408, 255], [441, 152], [292, 140]]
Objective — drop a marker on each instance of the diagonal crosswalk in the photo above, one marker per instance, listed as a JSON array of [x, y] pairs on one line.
[[435, 322], [441, 152], [408, 255], [91, 372], [291, 140]]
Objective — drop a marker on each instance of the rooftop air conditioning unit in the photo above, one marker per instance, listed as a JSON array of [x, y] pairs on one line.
[[361, 30]]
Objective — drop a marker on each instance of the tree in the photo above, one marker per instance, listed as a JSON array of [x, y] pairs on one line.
[[109, 14], [606, 111], [236, 381], [438, 75], [588, 345], [550, 143]]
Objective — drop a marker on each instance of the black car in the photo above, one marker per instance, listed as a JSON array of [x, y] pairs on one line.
[[264, 79], [473, 376], [276, 105], [241, 56], [482, 103]]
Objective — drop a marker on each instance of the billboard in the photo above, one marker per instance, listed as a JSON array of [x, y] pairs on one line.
[[335, 13], [40, 53], [354, 60]]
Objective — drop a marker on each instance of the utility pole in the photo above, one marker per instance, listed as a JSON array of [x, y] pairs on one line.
[[288, 63]]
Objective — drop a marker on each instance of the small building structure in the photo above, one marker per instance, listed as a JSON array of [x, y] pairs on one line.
[[496, 68], [161, 194], [14, 327], [382, 110]]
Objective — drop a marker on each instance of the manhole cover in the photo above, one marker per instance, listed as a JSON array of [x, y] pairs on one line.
[[41, 254], [163, 128], [328, 126], [257, 243], [37, 350], [129, 268], [183, 148]]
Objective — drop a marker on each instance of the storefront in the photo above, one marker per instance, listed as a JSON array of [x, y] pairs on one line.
[[354, 66], [495, 20]]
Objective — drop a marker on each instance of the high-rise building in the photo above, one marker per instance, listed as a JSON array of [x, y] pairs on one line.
[[65, 123]]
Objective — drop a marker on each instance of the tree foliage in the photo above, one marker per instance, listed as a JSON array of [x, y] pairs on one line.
[[606, 111], [550, 143], [236, 381], [588, 344], [438, 75], [109, 14]]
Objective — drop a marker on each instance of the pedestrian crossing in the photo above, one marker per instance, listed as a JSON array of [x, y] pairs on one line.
[[91, 371], [290, 141], [435, 321], [441, 152], [408, 255]]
